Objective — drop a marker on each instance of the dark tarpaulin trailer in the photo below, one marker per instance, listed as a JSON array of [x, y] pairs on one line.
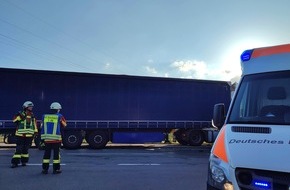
[[99, 105]]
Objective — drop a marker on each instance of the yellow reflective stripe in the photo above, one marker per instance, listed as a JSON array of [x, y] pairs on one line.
[[21, 135], [56, 161], [24, 124], [35, 128], [45, 127], [25, 155], [16, 156], [24, 131], [51, 118], [51, 137], [45, 161]]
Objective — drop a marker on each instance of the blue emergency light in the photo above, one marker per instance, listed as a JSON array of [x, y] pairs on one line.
[[246, 55], [262, 184]]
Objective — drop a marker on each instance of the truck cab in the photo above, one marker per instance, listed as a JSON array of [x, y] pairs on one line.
[[252, 150]]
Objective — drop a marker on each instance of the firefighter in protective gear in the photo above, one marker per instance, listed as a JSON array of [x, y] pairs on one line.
[[26, 128], [51, 135]]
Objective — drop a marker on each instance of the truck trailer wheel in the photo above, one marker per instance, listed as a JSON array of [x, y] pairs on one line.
[[195, 137], [97, 139], [72, 139], [180, 136]]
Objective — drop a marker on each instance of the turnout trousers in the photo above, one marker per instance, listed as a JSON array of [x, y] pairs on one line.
[[56, 156], [21, 153]]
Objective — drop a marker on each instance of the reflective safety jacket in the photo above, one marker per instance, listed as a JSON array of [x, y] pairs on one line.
[[26, 124], [51, 127]]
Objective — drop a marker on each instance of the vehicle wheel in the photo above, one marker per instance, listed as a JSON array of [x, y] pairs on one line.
[[72, 139], [97, 139], [180, 136], [195, 137]]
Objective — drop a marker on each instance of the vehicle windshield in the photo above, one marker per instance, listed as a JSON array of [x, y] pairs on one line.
[[263, 99]]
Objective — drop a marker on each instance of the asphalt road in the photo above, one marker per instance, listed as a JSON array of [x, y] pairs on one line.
[[141, 167]]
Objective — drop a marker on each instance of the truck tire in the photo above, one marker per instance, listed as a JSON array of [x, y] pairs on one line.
[[72, 139], [97, 139], [180, 136], [195, 137]]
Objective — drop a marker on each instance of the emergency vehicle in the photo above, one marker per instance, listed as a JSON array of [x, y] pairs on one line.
[[252, 150]]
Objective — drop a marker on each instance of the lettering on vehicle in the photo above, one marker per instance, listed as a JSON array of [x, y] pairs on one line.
[[256, 141]]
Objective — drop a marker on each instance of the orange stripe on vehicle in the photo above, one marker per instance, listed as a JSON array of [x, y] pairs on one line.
[[271, 50], [220, 148]]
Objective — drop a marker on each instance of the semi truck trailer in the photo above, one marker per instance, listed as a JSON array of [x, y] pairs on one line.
[[102, 108]]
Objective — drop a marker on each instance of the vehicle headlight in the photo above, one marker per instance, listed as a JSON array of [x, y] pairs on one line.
[[217, 174]]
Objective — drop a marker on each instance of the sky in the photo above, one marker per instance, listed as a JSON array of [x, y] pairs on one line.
[[198, 39]]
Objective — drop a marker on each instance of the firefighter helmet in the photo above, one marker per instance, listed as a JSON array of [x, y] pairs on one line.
[[55, 106], [27, 104]]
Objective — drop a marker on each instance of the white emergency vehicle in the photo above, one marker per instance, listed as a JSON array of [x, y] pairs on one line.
[[252, 150]]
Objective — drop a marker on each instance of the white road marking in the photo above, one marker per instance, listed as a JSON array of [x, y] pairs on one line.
[[135, 164], [41, 164]]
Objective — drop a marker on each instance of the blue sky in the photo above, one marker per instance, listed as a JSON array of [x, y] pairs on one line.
[[200, 39]]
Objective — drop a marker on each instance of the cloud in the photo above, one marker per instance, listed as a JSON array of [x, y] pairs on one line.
[[191, 68], [151, 70]]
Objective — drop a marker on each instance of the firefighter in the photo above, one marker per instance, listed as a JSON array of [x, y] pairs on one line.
[[51, 135], [26, 128]]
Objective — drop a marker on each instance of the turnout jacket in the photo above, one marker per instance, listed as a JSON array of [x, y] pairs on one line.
[[51, 127], [25, 124]]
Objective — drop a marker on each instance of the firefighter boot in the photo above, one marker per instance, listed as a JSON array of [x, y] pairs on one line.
[[15, 161], [14, 165], [57, 171]]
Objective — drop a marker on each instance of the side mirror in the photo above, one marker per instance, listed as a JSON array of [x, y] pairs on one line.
[[219, 115]]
